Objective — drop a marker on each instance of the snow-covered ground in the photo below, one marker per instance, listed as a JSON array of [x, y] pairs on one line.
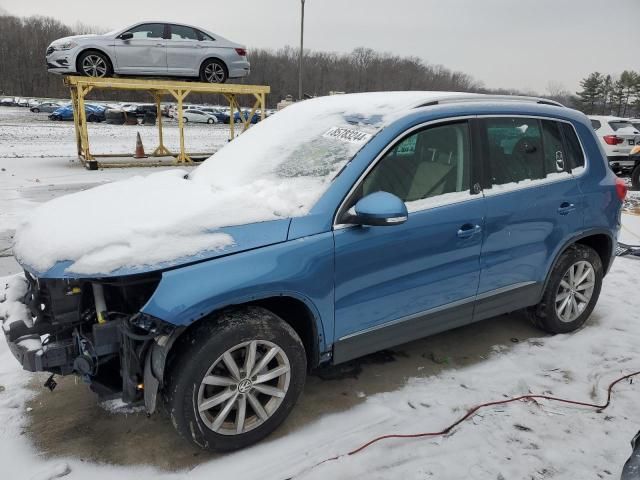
[[520, 441]]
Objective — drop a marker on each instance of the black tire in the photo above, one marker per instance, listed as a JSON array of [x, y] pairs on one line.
[[635, 177], [91, 118], [202, 347], [545, 315], [210, 121], [36, 110], [213, 71], [185, 119], [105, 69]]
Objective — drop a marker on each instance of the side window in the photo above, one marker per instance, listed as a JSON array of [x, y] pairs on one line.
[[148, 30], [554, 155], [180, 32], [204, 36], [596, 124], [514, 150], [431, 162], [575, 156]]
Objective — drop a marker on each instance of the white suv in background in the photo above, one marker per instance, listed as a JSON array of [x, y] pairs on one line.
[[618, 137]]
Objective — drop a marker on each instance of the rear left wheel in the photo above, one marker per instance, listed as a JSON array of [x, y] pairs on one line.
[[236, 379], [213, 71], [571, 292]]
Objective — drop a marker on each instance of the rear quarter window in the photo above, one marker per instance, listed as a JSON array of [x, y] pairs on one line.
[[596, 124], [574, 153]]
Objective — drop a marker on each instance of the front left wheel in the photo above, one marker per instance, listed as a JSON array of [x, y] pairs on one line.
[[94, 64], [235, 379]]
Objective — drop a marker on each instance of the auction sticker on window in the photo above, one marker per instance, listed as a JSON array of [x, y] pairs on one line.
[[347, 135]]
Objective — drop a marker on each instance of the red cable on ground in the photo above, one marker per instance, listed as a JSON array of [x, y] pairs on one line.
[[473, 410]]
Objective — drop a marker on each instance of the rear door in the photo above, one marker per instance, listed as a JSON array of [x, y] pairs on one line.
[[534, 206], [145, 53], [184, 50]]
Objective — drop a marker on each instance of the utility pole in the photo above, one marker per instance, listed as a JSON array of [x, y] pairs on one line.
[[301, 50]]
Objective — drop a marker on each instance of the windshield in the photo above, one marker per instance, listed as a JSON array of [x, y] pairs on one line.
[[618, 124], [294, 154]]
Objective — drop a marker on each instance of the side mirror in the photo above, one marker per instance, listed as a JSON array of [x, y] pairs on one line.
[[126, 36], [378, 209]]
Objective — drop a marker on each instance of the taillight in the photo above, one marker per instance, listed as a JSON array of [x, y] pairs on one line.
[[241, 51], [621, 189], [613, 139]]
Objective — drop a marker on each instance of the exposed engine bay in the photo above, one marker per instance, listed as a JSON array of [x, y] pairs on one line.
[[92, 328]]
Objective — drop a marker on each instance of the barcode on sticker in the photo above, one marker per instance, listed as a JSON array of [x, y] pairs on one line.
[[347, 135]]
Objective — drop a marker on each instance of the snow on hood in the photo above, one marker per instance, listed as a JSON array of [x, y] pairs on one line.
[[277, 169]]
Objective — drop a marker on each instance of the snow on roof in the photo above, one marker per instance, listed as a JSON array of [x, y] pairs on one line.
[[277, 169]]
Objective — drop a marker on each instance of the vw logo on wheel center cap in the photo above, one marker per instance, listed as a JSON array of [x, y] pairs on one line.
[[245, 385]]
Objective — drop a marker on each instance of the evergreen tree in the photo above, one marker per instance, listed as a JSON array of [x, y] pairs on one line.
[[591, 91]]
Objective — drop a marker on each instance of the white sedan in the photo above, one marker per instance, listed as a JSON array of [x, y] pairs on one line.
[[198, 116]]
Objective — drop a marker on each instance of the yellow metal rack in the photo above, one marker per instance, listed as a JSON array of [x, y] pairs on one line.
[[178, 90]]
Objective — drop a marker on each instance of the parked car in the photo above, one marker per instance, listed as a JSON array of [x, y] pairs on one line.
[[241, 117], [7, 102], [198, 116], [22, 102], [617, 136], [45, 107], [150, 48], [221, 116], [338, 227], [94, 113]]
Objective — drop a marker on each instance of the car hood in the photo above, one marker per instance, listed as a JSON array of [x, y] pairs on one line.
[[75, 37], [144, 224]]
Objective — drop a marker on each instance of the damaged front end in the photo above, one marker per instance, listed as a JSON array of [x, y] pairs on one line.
[[92, 328]]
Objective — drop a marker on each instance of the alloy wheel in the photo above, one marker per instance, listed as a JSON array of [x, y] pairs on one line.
[[575, 291], [244, 387], [214, 73], [94, 66]]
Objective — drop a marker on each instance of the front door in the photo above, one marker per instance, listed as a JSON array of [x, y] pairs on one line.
[[397, 283], [145, 52], [534, 205]]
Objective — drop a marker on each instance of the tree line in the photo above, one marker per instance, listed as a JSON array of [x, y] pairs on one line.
[[606, 94], [23, 72]]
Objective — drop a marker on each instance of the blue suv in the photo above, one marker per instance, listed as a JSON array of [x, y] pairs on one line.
[[335, 228]]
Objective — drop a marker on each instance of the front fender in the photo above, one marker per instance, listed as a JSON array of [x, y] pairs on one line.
[[301, 268]]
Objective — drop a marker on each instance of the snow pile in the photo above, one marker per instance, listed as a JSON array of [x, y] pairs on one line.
[[277, 169]]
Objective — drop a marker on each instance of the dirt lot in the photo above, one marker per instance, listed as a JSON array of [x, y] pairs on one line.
[[70, 423]]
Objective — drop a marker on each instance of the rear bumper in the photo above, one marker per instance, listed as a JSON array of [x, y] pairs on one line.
[[623, 163], [239, 69]]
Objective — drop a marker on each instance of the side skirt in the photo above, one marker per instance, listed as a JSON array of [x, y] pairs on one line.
[[437, 320]]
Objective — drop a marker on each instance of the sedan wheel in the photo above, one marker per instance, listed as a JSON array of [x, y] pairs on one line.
[[213, 72], [94, 66]]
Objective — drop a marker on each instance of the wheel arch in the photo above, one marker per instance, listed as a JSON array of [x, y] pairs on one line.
[[600, 240], [294, 309], [93, 49]]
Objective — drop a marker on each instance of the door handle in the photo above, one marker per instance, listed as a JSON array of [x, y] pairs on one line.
[[566, 208], [468, 230]]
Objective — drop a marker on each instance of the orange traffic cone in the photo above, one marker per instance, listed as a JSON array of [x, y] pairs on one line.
[[139, 148]]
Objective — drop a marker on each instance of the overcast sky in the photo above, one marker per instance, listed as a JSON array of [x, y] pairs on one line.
[[521, 44]]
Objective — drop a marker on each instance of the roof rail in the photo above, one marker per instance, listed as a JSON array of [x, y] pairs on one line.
[[488, 98]]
